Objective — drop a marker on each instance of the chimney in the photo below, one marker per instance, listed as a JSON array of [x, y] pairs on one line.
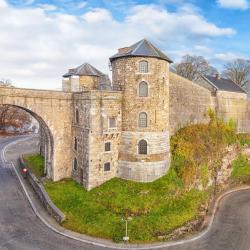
[[124, 50], [217, 76]]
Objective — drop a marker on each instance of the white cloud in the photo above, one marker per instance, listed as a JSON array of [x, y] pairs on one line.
[[38, 47], [28, 2], [180, 23], [97, 15], [47, 7], [81, 5], [234, 4], [226, 57], [3, 4]]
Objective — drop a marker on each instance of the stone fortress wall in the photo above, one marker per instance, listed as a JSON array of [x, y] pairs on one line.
[[190, 102]]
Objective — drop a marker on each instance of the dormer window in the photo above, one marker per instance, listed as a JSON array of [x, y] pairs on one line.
[[143, 67]]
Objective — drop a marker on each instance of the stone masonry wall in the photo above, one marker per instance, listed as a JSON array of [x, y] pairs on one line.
[[189, 102], [88, 82], [95, 109], [81, 130], [158, 145], [104, 105], [156, 105], [233, 105]]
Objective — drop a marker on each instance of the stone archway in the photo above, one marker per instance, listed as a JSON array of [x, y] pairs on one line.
[[53, 110]]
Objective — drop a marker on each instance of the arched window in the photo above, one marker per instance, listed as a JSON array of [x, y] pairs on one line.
[[143, 120], [75, 164], [142, 147], [77, 116], [143, 89], [143, 67]]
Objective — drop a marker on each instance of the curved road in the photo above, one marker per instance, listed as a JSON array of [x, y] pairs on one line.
[[20, 229]]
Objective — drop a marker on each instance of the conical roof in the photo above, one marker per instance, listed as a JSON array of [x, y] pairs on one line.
[[84, 70], [142, 48]]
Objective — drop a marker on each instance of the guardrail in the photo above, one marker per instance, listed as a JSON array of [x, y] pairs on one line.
[[41, 192]]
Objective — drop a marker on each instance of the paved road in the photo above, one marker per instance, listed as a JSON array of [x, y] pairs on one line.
[[21, 229]]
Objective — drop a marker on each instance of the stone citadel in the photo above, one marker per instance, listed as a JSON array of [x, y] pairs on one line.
[[97, 129], [123, 129]]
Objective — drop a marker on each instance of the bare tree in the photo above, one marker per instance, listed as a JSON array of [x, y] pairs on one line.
[[13, 116], [6, 83], [238, 71], [191, 67]]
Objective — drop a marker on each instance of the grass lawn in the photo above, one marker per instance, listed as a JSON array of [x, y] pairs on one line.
[[156, 208], [36, 164]]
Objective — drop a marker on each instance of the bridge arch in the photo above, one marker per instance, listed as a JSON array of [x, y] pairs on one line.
[[53, 111], [46, 140]]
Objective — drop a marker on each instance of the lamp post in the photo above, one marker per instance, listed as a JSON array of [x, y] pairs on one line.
[[126, 237]]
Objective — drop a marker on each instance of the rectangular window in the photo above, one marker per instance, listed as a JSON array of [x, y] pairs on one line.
[[107, 166], [75, 164], [107, 146], [77, 116], [76, 144], [112, 122]]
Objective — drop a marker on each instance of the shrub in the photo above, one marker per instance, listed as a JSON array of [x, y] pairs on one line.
[[197, 148]]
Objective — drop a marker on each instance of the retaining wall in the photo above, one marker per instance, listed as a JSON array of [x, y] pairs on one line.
[[42, 194]]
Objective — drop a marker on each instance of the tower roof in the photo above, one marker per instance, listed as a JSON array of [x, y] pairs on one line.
[[142, 48], [84, 70]]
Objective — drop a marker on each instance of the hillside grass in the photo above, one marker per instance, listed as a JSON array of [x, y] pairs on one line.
[[157, 208], [36, 164], [241, 169]]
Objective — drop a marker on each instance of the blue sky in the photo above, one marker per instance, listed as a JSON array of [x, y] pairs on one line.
[[42, 39]]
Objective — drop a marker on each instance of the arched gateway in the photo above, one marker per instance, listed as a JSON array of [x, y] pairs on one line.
[[52, 109]]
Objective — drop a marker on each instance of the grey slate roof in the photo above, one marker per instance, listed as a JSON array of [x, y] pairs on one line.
[[142, 48], [224, 84], [84, 70]]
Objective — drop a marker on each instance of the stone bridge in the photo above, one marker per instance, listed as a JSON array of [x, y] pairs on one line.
[[53, 111]]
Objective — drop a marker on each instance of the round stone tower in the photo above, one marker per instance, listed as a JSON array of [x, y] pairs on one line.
[[141, 71]]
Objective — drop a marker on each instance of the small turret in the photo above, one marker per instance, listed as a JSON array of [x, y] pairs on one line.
[[85, 77]]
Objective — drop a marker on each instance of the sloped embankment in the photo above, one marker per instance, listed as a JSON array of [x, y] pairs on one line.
[[202, 160]]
